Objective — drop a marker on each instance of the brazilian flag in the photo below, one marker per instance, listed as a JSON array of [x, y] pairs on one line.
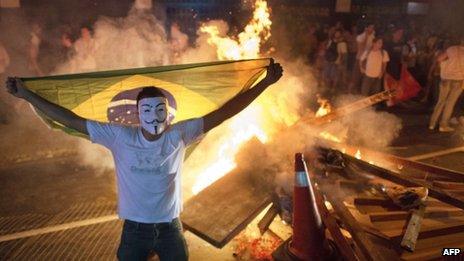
[[192, 90]]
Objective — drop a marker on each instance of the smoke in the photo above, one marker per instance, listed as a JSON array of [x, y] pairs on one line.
[[202, 51], [138, 40], [271, 163], [367, 127], [24, 136]]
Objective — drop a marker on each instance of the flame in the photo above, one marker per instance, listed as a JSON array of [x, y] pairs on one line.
[[328, 205], [358, 154], [252, 122], [324, 106], [247, 44], [244, 127], [328, 136]]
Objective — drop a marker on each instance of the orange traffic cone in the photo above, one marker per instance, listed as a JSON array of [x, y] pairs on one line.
[[307, 242], [308, 230]]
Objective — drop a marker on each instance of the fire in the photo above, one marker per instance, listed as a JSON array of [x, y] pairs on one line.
[[244, 127], [358, 154], [253, 121], [328, 205], [324, 106], [247, 44], [328, 136]]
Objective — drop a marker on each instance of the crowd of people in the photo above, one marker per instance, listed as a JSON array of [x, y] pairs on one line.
[[356, 59], [345, 59]]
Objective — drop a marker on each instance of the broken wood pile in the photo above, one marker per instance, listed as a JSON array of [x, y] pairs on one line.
[[363, 221], [421, 233]]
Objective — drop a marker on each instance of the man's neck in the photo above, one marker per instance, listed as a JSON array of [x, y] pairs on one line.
[[150, 137]]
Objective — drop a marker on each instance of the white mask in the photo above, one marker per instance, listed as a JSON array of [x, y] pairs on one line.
[[153, 114]]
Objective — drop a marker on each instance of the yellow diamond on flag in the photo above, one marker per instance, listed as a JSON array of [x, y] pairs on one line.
[[193, 90]]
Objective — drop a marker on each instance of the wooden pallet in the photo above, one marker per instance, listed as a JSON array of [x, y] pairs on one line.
[[219, 212], [443, 219]]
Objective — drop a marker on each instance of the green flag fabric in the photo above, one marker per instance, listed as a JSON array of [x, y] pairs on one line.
[[192, 90]]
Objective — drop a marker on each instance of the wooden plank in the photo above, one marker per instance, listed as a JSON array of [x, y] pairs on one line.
[[334, 229], [380, 250], [438, 173], [449, 185], [386, 202], [445, 229], [412, 230], [402, 215], [219, 212], [397, 178], [375, 232], [457, 192], [350, 108], [436, 153], [266, 221]]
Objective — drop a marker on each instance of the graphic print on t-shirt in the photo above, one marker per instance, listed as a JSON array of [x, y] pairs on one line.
[[148, 163]]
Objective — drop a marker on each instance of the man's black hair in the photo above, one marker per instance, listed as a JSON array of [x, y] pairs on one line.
[[149, 92]]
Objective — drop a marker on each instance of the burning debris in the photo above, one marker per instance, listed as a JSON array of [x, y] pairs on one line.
[[407, 198], [324, 106]]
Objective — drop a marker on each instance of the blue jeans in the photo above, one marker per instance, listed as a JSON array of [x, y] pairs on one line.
[[139, 239]]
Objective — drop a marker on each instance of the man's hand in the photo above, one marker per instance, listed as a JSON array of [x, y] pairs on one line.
[[273, 73], [242, 100], [16, 87], [60, 114]]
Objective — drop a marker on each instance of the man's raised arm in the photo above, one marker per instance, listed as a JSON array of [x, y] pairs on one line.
[[62, 115], [241, 101]]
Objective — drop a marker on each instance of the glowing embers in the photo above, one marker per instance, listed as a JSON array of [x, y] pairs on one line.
[[324, 106], [247, 44]]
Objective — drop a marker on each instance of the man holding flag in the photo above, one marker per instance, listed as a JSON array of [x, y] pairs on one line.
[[148, 160]]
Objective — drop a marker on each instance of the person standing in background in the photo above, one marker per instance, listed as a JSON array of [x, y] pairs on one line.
[[331, 56], [350, 38], [410, 56], [85, 50], [373, 64], [34, 47], [364, 42], [395, 49], [342, 61], [452, 78], [312, 44]]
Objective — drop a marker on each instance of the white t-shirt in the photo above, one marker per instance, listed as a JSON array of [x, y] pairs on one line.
[[374, 62], [453, 67], [364, 43], [148, 172]]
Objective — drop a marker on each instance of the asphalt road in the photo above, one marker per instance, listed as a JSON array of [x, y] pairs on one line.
[[43, 197]]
